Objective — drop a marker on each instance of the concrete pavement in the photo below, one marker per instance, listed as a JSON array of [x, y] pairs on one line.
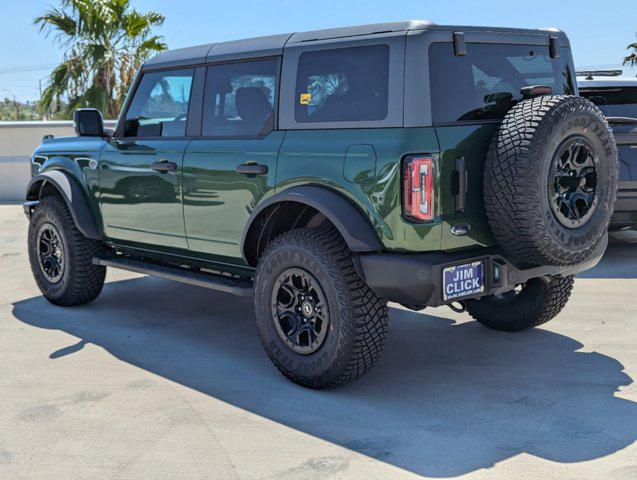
[[159, 380]]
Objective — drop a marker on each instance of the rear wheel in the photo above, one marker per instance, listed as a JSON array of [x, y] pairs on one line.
[[319, 322], [61, 257], [529, 305]]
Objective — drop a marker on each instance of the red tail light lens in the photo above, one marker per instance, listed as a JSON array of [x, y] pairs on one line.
[[418, 195]]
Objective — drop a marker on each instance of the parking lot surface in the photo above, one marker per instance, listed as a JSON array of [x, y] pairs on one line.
[[159, 380]]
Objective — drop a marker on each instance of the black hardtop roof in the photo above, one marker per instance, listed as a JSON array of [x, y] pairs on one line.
[[274, 44]]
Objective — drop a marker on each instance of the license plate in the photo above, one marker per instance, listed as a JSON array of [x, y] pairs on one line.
[[463, 280]]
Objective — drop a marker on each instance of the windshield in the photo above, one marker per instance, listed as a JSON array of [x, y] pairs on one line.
[[486, 82], [613, 101]]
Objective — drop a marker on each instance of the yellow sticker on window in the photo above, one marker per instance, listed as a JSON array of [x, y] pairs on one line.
[[305, 99]]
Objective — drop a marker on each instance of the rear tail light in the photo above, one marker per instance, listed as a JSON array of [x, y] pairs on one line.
[[418, 184]]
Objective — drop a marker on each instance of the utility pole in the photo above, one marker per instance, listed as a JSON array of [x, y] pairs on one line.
[[45, 115], [40, 102]]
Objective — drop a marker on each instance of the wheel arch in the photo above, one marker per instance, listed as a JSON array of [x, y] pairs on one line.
[[73, 196], [302, 206]]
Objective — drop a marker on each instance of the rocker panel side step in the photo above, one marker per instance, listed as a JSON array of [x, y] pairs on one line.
[[238, 287]]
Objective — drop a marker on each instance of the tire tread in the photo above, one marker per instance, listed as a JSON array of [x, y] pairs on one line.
[[368, 312], [523, 313], [87, 280], [512, 181]]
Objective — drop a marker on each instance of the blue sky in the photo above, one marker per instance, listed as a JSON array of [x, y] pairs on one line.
[[599, 31]]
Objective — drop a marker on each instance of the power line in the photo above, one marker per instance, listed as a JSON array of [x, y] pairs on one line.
[[26, 68]]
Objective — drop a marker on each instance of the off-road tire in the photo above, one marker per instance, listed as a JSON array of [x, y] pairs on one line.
[[81, 281], [358, 318], [516, 180], [538, 302]]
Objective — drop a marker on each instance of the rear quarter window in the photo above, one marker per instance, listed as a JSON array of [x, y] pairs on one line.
[[486, 82], [343, 85]]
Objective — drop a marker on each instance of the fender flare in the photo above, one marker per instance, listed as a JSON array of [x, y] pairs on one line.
[[72, 194], [355, 228]]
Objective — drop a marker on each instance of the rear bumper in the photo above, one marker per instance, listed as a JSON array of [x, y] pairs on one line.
[[416, 279], [625, 214]]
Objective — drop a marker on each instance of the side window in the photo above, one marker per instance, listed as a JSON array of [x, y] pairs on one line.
[[343, 85], [160, 105], [240, 98]]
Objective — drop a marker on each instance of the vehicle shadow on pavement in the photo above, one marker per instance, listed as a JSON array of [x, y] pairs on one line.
[[444, 400], [620, 260]]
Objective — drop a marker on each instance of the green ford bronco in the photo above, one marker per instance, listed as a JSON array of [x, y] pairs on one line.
[[329, 172]]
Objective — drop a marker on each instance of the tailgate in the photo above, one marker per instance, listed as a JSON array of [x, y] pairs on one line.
[[468, 145]]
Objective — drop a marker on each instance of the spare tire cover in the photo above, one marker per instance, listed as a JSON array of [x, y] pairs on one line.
[[550, 180]]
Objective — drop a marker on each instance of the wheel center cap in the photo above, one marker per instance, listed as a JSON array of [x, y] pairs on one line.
[[307, 309]]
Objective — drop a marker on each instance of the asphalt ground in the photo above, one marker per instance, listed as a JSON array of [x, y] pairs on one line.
[[159, 380]]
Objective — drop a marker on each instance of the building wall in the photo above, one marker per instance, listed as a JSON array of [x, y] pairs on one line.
[[17, 142]]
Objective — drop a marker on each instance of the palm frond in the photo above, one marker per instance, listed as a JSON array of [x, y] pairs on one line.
[[151, 45], [632, 58], [96, 53], [96, 97], [135, 24], [119, 7], [155, 19], [57, 19], [48, 96]]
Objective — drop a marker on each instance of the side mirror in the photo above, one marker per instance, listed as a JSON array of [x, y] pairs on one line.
[[88, 122]]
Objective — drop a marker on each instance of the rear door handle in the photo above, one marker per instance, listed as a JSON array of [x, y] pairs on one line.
[[251, 169], [164, 166]]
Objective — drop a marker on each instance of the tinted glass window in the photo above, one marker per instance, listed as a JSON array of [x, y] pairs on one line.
[[239, 99], [486, 83], [160, 105], [343, 85], [613, 102]]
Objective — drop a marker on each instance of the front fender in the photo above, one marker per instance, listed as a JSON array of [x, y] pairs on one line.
[[358, 233], [72, 194]]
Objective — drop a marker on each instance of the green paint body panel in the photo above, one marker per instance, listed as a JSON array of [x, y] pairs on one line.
[[470, 142], [138, 204], [200, 210], [360, 164], [317, 157], [218, 200], [72, 155]]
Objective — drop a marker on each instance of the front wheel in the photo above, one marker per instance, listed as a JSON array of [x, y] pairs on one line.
[[319, 322], [530, 305], [61, 257]]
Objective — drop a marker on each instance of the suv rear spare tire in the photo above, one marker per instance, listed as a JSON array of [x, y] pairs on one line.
[[550, 180]]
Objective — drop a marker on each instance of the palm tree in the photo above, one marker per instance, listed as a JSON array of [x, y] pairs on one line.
[[106, 41], [632, 58]]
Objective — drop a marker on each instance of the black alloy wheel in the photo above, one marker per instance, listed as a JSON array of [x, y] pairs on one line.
[[299, 311], [51, 252], [573, 182]]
